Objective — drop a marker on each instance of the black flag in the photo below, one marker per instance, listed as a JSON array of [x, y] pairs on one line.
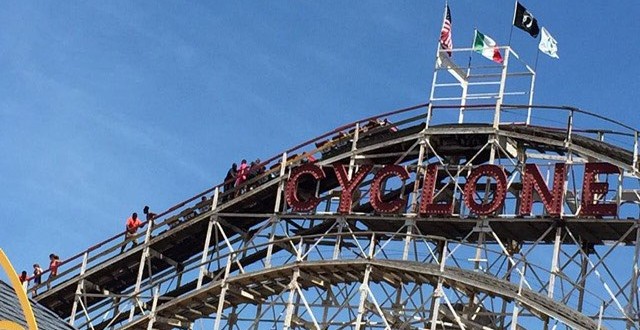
[[525, 21]]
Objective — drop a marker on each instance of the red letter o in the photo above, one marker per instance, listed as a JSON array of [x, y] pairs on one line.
[[499, 195]]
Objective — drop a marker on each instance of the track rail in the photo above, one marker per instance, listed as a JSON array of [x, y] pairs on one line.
[[338, 271]]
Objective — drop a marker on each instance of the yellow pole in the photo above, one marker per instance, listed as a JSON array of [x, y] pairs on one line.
[[22, 298]]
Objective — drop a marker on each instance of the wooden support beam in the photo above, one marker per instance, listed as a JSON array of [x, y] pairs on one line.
[[157, 255]]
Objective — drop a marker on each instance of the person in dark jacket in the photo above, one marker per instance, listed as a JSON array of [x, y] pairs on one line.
[[230, 179]]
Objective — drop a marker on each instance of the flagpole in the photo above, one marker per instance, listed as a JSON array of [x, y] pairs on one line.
[[515, 8], [435, 70], [444, 17], [475, 32], [466, 85]]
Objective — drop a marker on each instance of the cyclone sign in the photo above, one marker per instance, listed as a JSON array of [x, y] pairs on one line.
[[532, 182], [22, 298]]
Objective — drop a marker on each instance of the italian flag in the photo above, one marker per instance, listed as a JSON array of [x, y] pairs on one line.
[[487, 47]]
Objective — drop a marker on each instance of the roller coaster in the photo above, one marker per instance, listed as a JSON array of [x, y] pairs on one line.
[[309, 253]]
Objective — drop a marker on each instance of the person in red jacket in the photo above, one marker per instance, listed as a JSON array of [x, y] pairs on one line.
[[24, 280], [54, 263], [133, 223]]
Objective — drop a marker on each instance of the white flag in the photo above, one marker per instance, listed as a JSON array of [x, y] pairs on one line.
[[548, 45]]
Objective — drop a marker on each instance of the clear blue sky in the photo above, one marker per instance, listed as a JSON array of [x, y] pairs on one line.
[[108, 106]]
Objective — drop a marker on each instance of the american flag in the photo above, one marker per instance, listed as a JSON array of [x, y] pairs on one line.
[[445, 35]]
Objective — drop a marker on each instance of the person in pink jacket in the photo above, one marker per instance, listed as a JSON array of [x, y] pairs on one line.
[[243, 171]]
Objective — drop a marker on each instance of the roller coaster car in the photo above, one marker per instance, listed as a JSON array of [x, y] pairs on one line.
[[374, 127], [204, 206], [188, 214], [321, 143], [173, 221], [185, 215]]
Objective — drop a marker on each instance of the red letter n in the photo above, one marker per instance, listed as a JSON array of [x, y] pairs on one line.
[[552, 200]]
